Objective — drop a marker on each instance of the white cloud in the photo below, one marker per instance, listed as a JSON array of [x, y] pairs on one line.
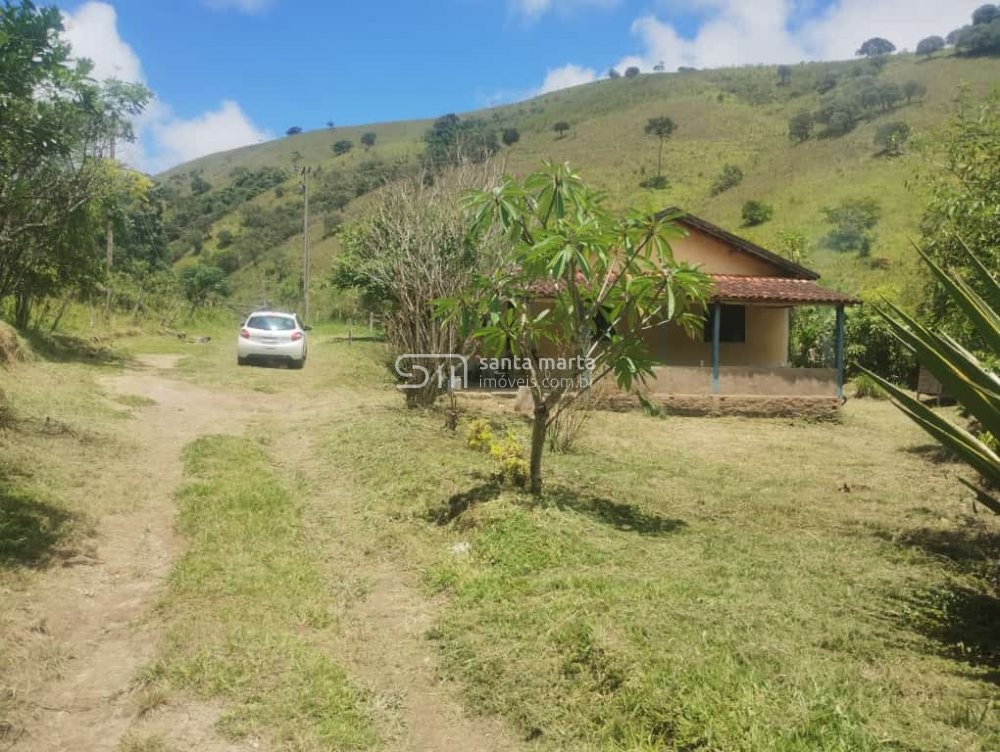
[[93, 33], [243, 6], [177, 140], [164, 140], [565, 77], [532, 10], [734, 32]]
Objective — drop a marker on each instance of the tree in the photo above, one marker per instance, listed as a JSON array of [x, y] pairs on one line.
[[660, 67], [962, 175], [661, 128], [58, 187], [929, 45], [293, 131], [510, 136], [891, 137], [342, 147], [451, 141], [730, 177], [609, 278], [412, 247], [331, 125], [876, 47], [784, 75], [756, 213], [985, 14], [368, 139], [613, 73], [975, 386], [853, 221], [561, 128], [800, 127], [632, 71], [203, 285], [913, 90]]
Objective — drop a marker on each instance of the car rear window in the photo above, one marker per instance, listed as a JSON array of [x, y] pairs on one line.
[[271, 323]]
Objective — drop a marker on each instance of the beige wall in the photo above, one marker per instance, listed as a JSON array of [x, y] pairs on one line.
[[744, 380], [766, 342], [716, 257]]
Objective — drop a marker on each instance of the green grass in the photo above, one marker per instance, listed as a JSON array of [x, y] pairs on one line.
[[700, 583], [737, 116], [247, 613]]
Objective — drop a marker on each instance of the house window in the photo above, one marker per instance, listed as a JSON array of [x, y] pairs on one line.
[[732, 326]]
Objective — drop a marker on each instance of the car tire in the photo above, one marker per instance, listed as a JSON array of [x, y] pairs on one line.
[[241, 361], [298, 365]]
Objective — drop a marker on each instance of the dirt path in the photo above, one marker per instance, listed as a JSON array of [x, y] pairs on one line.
[[95, 613], [92, 611]]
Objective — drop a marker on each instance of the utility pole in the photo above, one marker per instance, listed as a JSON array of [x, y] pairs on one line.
[[305, 244], [110, 248]]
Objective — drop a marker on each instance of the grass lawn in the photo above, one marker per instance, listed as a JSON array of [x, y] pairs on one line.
[[685, 583]]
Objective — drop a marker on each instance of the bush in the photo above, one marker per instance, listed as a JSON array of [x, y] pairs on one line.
[[506, 452], [730, 177], [342, 147], [657, 182], [865, 387], [853, 221], [891, 137], [756, 213], [566, 427]]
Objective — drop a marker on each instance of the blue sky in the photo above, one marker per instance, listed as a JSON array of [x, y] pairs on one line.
[[231, 72]]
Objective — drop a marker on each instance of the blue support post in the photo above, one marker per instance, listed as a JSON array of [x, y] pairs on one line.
[[839, 365], [716, 329]]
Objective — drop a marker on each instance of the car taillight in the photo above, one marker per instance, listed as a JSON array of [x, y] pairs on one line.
[[296, 336], [244, 334]]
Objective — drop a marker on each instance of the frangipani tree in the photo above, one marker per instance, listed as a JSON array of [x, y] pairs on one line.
[[583, 284]]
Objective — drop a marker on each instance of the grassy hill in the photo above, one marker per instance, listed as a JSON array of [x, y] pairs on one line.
[[729, 116]]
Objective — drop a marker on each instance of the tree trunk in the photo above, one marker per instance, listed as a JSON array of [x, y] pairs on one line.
[[659, 161], [537, 446], [22, 310]]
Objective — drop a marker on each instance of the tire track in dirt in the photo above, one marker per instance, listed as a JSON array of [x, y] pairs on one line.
[[93, 612]]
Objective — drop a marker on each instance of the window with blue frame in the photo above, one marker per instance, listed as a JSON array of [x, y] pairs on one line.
[[732, 324]]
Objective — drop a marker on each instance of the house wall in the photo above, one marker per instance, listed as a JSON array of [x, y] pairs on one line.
[[717, 257], [745, 380], [766, 342]]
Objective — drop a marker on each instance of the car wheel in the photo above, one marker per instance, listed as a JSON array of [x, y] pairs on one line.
[[241, 361], [297, 364]]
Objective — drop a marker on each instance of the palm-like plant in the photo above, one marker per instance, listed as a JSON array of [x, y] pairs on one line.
[[974, 386]]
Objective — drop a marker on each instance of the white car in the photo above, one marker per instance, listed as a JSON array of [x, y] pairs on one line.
[[271, 336]]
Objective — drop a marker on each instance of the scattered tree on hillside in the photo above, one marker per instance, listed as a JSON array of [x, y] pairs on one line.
[[784, 75], [368, 139], [876, 47], [929, 45], [452, 141], [613, 73], [293, 131], [985, 14], [510, 136], [730, 177], [800, 127], [199, 185], [561, 128], [224, 238], [632, 71], [913, 90], [660, 128], [982, 36], [342, 147], [331, 125], [827, 82], [611, 277], [853, 221], [756, 213], [891, 137], [660, 67]]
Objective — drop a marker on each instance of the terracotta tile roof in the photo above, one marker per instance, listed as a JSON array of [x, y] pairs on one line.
[[732, 288]]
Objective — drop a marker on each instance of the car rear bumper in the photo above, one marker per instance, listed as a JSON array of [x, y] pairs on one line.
[[279, 351]]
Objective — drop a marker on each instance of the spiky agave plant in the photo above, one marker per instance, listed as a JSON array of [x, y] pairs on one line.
[[974, 386]]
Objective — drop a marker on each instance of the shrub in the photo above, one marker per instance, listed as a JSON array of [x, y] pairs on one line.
[[567, 425], [342, 147], [853, 221], [800, 127], [631, 72], [891, 137], [756, 213], [865, 387], [730, 177], [506, 452], [657, 182]]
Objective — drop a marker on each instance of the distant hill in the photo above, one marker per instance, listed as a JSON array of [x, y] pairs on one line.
[[242, 209]]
